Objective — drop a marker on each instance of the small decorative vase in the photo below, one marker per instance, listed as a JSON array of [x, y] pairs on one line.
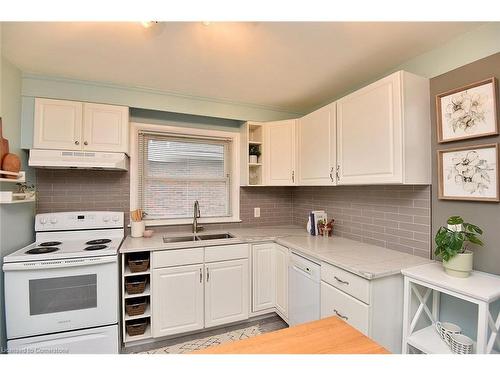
[[137, 228], [254, 159], [460, 265]]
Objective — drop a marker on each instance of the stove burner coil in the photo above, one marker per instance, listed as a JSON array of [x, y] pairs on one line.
[[100, 241], [95, 247], [50, 244], [42, 250]]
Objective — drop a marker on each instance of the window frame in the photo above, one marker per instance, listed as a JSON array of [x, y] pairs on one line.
[[234, 154]]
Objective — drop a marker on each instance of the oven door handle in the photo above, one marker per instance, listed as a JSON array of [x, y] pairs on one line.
[[63, 263]]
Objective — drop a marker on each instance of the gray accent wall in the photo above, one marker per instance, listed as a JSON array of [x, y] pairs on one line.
[[484, 214]]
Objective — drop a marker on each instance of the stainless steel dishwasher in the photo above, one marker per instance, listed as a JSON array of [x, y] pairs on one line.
[[304, 289]]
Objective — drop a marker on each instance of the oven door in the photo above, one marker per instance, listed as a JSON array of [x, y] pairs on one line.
[[60, 295]]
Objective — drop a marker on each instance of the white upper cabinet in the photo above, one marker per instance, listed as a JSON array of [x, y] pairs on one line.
[[69, 125], [383, 132], [226, 292], [58, 124], [105, 127], [316, 147], [279, 154]]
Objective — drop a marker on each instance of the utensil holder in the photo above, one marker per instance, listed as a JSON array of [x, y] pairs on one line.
[[137, 228]]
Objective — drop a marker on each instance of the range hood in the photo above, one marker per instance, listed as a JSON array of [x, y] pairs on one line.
[[59, 159]]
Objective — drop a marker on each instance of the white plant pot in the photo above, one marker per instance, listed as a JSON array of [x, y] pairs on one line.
[[253, 159], [137, 228], [460, 265]]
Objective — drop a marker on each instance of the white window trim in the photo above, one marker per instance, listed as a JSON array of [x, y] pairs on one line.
[[135, 127]]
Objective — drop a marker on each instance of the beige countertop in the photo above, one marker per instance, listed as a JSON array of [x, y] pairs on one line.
[[368, 261]]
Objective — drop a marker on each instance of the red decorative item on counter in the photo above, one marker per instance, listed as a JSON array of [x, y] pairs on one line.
[[328, 228]]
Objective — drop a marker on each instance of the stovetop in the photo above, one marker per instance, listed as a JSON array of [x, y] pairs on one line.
[[65, 248], [63, 235]]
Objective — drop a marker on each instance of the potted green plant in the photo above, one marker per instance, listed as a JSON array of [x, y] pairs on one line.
[[452, 246], [254, 152]]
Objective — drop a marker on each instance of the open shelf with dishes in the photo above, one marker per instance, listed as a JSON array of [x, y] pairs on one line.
[[136, 296]]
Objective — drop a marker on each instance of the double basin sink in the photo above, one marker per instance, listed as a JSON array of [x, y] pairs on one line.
[[197, 237]]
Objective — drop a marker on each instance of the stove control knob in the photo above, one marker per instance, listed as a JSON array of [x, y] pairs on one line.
[[53, 220], [43, 220], [105, 219], [115, 218]]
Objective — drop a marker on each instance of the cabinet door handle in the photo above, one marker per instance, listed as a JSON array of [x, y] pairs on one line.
[[201, 276], [77, 143], [340, 315], [208, 275], [86, 143], [293, 176], [337, 173], [331, 174], [341, 281]]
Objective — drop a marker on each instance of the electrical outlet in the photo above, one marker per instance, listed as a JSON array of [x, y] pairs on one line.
[[256, 212]]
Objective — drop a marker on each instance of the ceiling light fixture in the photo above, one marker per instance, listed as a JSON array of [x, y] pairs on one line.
[[149, 24]]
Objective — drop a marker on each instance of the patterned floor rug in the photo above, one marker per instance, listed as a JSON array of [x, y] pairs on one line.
[[206, 342]]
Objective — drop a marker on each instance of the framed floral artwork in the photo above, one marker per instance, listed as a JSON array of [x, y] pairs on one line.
[[467, 112], [469, 173]]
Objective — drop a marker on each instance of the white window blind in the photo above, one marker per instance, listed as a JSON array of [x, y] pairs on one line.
[[174, 171]]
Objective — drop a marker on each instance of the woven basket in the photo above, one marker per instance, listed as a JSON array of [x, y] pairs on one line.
[[138, 265], [137, 307], [135, 285], [461, 344], [137, 327], [445, 333]]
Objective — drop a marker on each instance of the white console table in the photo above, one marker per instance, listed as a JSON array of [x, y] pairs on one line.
[[430, 280]]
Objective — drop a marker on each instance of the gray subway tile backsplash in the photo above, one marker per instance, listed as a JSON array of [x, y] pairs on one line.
[[395, 217]]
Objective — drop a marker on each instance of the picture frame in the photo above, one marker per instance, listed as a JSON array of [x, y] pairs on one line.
[[469, 173], [468, 112]]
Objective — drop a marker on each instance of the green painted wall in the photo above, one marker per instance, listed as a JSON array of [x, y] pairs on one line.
[[16, 220], [60, 88]]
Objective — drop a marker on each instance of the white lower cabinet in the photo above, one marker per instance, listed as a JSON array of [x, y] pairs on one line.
[[371, 306], [226, 292], [270, 278], [282, 255], [192, 297], [263, 277], [177, 300], [338, 303]]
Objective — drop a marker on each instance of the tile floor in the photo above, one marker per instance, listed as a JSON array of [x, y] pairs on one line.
[[207, 339]]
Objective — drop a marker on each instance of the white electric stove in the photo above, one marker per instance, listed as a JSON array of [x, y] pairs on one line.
[[61, 292]]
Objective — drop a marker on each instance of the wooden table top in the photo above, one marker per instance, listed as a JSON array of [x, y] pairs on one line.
[[326, 336]]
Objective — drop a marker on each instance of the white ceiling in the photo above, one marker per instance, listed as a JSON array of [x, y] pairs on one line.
[[287, 65]]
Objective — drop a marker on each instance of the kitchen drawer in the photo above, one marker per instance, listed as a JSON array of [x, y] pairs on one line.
[[226, 252], [348, 282], [337, 303], [170, 258]]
